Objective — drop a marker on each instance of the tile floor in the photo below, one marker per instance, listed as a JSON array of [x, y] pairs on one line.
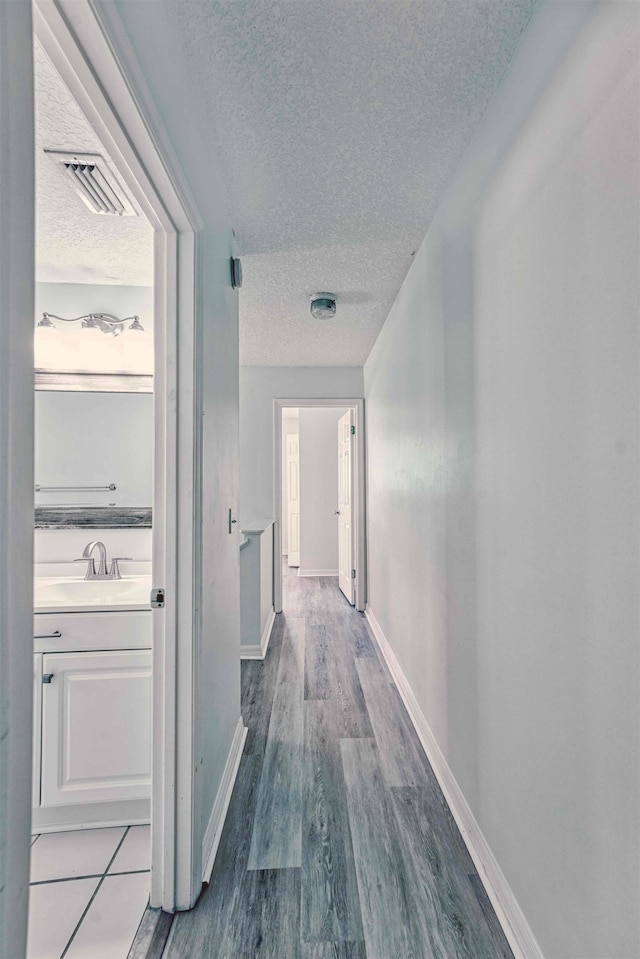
[[89, 889]]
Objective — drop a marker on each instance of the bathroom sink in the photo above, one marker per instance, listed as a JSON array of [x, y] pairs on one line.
[[129, 591]]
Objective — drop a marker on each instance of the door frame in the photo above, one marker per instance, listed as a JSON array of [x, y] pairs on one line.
[[359, 466], [89, 47], [346, 502], [16, 451], [290, 512]]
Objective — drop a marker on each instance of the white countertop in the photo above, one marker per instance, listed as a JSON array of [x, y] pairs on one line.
[[58, 588]]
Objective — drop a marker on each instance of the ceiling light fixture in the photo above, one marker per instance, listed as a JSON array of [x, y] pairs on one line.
[[323, 306]]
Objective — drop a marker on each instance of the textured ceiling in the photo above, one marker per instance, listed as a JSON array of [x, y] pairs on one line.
[[74, 245], [339, 124], [276, 327]]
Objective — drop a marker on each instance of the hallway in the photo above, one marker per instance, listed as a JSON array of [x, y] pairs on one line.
[[337, 842]]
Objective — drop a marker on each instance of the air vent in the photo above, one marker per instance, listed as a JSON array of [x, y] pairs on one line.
[[94, 182]]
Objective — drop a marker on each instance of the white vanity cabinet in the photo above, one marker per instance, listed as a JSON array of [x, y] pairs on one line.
[[96, 726], [92, 718]]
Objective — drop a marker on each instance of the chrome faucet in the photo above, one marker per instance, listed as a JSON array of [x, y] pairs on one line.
[[101, 573]]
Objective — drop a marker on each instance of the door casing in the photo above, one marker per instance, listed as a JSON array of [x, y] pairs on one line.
[[293, 529], [359, 506], [346, 485], [88, 46], [16, 478]]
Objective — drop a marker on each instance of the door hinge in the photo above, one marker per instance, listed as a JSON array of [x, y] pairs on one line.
[[353, 431], [47, 677], [353, 574], [157, 598]]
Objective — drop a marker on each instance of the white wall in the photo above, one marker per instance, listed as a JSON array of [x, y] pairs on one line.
[[266, 577], [94, 439], [259, 386], [290, 421], [319, 490], [65, 545], [502, 417], [256, 586]]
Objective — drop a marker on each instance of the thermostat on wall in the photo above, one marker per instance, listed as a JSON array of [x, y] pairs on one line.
[[236, 273]]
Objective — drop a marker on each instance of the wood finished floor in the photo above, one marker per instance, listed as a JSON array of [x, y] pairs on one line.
[[338, 843]]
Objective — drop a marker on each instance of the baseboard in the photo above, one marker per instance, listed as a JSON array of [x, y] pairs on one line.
[[260, 651], [151, 938], [123, 812], [266, 632], [213, 831], [317, 572], [251, 652], [510, 915]]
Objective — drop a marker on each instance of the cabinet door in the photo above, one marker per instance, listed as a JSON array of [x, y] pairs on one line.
[[96, 727], [37, 728]]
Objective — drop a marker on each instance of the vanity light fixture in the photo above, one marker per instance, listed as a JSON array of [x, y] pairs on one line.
[[323, 306], [105, 322], [104, 343]]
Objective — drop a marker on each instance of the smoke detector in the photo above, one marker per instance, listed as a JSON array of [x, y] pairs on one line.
[[94, 182], [323, 306]]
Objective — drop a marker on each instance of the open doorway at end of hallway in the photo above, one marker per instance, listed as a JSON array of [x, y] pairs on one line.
[[319, 495]]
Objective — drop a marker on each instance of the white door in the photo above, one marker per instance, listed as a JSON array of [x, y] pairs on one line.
[[293, 499], [345, 505], [96, 727]]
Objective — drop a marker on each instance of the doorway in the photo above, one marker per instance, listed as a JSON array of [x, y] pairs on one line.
[[77, 41], [320, 494], [99, 69], [94, 436]]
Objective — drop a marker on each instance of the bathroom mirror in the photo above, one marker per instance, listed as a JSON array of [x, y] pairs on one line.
[[93, 459]]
